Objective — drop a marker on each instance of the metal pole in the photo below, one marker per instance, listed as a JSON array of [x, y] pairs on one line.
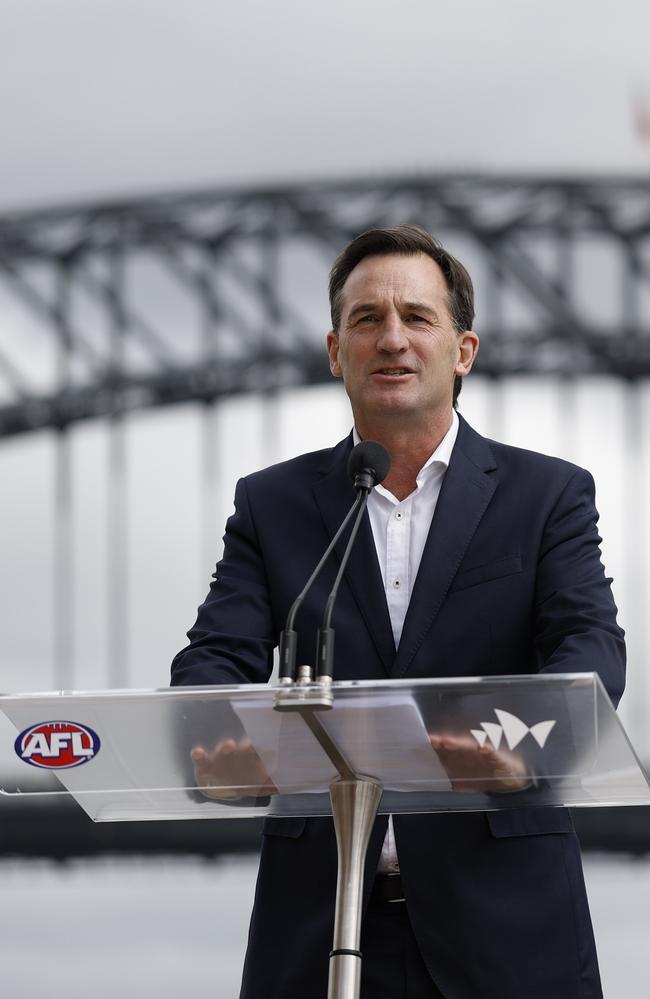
[[636, 546], [565, 283], [210, 537], [63, 563], [271, 285], [209, 293], [355, 799], [354, 808], [117, 510]]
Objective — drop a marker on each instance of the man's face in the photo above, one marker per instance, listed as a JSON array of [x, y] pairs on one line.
[[397, 349]]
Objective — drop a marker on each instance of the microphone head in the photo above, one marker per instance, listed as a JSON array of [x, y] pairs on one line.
[[368, 464]]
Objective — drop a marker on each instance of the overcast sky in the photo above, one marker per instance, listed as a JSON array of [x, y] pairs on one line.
[[100, 97]]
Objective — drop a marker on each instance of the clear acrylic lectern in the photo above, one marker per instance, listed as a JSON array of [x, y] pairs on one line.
[[388, 746]]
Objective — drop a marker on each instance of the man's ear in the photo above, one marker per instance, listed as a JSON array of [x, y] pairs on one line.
[[468, 343], [333, 351]]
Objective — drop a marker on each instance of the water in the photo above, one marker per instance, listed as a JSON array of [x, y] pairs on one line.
[[163, 929], [146, 928]]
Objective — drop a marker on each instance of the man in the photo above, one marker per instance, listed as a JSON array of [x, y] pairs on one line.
[[475, 559]]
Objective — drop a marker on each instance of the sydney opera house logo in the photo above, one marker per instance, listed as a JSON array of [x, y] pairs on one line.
[[513, 729]]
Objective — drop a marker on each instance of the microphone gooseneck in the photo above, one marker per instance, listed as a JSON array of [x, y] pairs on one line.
[[368, 464], [289, 637]]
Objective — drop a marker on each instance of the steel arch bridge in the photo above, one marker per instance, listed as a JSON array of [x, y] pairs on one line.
[[114, 307], [163, 299]]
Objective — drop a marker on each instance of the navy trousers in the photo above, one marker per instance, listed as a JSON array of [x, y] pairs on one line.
[[392, 966]]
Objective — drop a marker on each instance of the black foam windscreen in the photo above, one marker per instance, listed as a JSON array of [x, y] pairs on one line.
[[369, 457]]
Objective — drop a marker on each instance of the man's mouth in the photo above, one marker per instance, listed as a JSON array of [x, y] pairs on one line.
[[393, 372]]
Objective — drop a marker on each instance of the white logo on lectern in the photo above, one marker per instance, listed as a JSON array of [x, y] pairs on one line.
[[514, 730]]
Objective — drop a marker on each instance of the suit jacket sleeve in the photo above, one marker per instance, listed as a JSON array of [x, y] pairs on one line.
[[233, 637], [575, 613]]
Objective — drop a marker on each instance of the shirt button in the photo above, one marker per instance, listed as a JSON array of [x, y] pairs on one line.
[[396, 584], [398, 515]]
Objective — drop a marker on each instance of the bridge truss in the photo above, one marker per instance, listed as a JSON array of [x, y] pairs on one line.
[[164, 299]]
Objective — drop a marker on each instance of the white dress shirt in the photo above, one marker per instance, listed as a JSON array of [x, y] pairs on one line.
[[400, 530]]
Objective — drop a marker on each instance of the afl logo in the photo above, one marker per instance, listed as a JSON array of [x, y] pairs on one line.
[[57, 745]]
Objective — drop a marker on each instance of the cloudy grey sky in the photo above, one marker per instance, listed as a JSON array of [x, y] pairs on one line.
[[102, 97]]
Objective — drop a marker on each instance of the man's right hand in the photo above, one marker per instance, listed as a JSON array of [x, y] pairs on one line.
[[231, 770]]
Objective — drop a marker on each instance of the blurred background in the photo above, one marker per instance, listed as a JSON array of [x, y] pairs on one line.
[[175, 181]]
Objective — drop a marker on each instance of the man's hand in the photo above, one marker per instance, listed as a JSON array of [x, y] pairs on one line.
[[231, 770], [472, 768]]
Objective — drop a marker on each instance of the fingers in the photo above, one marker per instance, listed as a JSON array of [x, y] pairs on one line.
[[227, 747], [472, 767], [444, 742], [229, 760], [454, 743], [231, 769]]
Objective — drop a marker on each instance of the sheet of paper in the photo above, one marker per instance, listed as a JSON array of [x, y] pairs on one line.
[[385, 739]]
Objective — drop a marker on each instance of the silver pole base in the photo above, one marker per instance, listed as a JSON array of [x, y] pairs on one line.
[[354, 808]]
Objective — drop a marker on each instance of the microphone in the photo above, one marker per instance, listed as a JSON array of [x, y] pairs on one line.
[[368, 464]]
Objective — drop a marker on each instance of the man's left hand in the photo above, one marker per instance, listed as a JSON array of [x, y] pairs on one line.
[[474, 769]]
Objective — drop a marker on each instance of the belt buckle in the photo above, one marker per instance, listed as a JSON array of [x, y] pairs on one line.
[[390, 876]]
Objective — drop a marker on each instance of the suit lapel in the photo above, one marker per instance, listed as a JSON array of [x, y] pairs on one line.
[[466, 492], [334, 495]]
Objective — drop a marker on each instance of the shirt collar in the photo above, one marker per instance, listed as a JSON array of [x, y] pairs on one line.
[[442, 454]]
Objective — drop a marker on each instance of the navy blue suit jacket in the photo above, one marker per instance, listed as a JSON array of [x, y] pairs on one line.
[[510, 582]]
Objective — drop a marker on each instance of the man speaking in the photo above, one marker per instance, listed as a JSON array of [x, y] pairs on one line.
[[474, 559]]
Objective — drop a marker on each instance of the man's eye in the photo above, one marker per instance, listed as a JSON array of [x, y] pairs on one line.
[[370, 318]]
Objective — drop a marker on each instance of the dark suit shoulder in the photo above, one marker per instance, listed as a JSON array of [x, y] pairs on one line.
[[516, 462], [535, 461]]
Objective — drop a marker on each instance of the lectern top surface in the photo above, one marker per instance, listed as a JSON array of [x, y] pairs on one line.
[[229, 751]]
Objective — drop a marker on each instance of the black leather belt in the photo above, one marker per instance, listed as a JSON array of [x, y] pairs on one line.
[[386, 890]]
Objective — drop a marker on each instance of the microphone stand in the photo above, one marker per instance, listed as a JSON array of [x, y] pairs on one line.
[[325, 643], [354, 797], [289, 637]]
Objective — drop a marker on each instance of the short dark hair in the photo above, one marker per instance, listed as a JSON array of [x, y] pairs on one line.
[[406, 241]]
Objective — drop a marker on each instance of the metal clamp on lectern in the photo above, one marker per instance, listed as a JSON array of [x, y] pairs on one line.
[[305, 692]]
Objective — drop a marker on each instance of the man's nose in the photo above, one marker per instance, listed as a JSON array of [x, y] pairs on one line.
[[392, 335]]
